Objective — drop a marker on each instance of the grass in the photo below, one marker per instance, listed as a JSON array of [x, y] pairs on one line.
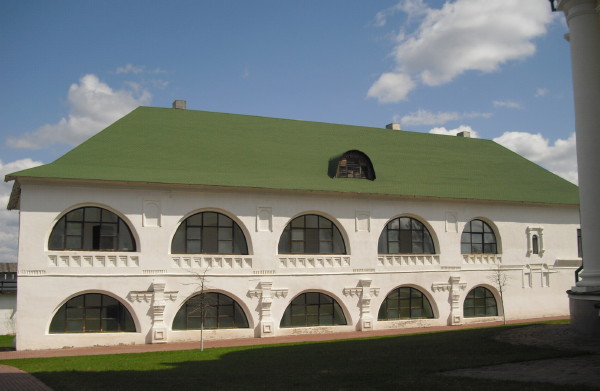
[[6, 341], [411, 362]]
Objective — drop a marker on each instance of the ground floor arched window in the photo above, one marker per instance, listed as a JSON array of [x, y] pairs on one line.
[[92, 313], [405, 303], [313, 309], [218, 311], [480, 301]]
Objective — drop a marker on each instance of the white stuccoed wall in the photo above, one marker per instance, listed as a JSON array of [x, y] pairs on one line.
[[46, 280], [8, 308]]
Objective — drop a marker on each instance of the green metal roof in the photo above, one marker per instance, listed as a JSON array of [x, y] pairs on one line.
[[187, 147]]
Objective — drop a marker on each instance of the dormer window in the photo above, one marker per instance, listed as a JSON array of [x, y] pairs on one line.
[[355, 164]]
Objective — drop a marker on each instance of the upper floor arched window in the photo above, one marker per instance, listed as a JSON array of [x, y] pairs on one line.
[[209, 233], [311, 234], [91, 228], [355, 164], [478, 238], [405, 235]]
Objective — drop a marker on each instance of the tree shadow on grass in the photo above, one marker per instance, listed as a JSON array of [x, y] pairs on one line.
[[401, 362]]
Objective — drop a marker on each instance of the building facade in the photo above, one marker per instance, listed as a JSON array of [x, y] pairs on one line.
[[351, 238]]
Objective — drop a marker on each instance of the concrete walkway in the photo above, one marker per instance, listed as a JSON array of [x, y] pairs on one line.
[[13, 379]]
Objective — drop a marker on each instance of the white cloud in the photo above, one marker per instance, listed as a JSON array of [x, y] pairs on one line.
[[426, 117], [9, 220], [410, 7], [454, 132], [541, 92], [464, 35], [135, 69], [93, 105], [391, 87], [509, 104], [560, 157]]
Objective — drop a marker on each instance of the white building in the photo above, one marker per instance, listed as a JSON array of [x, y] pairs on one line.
[[8, 297], [295, 227]]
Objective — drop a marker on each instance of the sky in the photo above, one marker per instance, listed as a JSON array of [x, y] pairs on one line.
[[500, 69]]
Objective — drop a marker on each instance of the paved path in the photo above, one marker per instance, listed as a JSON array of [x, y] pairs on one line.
[[13, 379]]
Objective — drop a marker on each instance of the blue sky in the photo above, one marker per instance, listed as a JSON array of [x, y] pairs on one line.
[[498, 68]]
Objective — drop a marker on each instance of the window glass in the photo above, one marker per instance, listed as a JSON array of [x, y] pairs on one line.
[[92, 313], [405, 235], [405, 303], [89, 229], [313, 309], [477, 238], [480, 302], [220, 312], [209, 233], [355, 164], [311, 234]]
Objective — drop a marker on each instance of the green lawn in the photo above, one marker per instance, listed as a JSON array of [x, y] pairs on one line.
[[6, 341], [408, 362]]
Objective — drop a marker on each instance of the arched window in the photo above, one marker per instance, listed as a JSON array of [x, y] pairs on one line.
[[478, 238], [220, 312], [480, 302], [405, 235], [311, 234], [405, 303], [313, 309], [92, 313], [91, 228], [535, 248], [209, 233], [355, 164]]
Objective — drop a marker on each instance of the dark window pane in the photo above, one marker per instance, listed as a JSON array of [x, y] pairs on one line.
[[298, 222], [92, 312], [311, 241], [73, 243], [209, 240], [312, 221], [83, 231], [195, 220], [210, 219], [194, 247], [284, 242], [338, 242], [326, 248], [325, 223], [109, 217], [313, 309], [75, 215], [57, 237], [297, 247], [93, 214], [225, 221], [74, 229], [225, 247]]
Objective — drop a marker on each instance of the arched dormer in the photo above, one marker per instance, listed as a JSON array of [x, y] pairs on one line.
[[353, 164]]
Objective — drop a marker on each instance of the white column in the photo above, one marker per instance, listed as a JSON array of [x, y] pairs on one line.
[[584, 27]]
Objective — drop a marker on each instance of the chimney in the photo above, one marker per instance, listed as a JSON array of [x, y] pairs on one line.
[[179, 104], [464, 133], [393, 126]]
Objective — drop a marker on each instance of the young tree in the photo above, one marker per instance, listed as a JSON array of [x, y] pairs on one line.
[[499, 279], [200, 304]]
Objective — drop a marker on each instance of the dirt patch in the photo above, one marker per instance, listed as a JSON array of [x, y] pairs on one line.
[[582, 370]]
